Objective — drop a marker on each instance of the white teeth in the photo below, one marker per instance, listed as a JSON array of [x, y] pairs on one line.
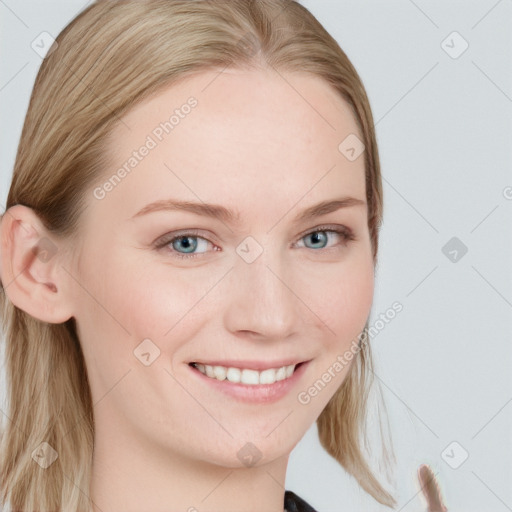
[[268, 376], [246, 376], [250, 377], [281, 373], [219, 372], [233, 374]]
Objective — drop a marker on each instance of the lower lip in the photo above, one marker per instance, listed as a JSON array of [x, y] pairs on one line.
[[261, 393]]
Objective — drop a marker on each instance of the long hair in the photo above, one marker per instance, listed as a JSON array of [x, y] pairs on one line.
[[111, 56]]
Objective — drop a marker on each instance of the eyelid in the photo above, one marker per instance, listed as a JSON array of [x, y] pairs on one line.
[[202, 233], [344, 231], [327, 227], [182, 232]]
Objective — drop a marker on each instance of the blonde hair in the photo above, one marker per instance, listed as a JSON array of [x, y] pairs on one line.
[[111, 56]]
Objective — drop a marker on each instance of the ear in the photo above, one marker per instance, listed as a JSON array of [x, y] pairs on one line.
[[30, 266]]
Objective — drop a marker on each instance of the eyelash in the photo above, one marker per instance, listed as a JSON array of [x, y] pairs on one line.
[[345, 233]]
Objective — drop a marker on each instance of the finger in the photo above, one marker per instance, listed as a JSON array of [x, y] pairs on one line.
[[430, 488]]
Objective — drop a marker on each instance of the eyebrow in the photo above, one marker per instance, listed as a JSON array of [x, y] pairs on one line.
[[233, 217]]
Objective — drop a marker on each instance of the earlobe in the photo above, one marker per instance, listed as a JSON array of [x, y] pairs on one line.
[[30, 267]]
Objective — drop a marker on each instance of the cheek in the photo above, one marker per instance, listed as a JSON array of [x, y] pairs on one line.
[[342, 298], [124, 303], [135, 300], [162, 304], [148, 307], [158, 302]]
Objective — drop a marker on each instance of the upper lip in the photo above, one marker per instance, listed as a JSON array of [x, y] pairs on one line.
[[252, 364]]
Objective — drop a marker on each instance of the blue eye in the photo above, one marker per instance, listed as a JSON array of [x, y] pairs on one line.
[[319, 236], [189, 241]]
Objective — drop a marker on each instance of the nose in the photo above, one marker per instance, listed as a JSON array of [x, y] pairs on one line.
[[262, 300]]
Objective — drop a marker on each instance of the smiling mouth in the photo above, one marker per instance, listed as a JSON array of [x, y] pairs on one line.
[[246, 375]]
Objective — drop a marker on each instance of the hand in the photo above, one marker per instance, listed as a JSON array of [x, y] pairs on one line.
[[430, 488]]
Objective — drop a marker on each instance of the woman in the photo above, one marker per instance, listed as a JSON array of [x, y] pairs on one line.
[[142, 377]]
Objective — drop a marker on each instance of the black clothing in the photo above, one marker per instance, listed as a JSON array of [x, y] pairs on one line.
[[294, 503]]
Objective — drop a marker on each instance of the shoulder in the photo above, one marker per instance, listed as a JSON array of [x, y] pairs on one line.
[[294, 503]]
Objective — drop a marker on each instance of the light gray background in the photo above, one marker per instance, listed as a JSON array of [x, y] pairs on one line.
[[444, 132]]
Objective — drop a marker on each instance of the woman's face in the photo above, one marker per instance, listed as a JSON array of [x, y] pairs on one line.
[[257, 288]]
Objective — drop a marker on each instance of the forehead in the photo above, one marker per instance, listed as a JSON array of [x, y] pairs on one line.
[[233, 137]]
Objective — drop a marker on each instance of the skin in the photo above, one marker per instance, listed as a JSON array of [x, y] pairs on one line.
[[163, 438], [430, 489]]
